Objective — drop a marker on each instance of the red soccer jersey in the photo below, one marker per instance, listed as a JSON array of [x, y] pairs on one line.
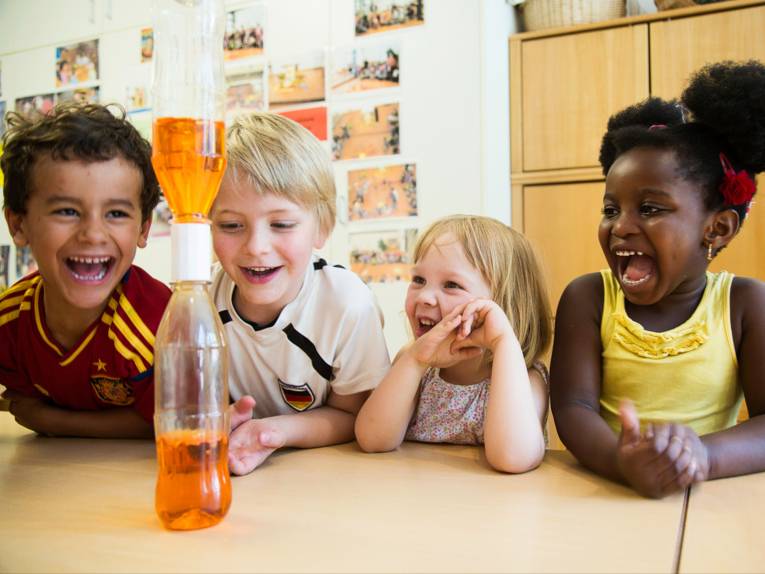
[[111, 365]]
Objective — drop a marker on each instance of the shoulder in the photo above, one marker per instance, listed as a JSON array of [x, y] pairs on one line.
[[338, 287], [747, 301], [145, 294], [585, 294]]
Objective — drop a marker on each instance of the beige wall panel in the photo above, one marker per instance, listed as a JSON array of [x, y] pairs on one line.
[[571, 85]]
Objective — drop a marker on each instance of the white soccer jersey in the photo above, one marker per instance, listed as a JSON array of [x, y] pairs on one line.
[[329, 337]]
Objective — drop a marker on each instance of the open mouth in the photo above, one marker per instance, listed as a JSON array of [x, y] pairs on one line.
[[635, 267], [91, 269], [260, 274], [423, 325]]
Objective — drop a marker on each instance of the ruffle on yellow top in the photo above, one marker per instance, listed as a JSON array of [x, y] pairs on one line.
[[634, 338]]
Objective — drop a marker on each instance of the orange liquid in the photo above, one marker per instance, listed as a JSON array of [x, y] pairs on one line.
[[189, 158], [193, 486]]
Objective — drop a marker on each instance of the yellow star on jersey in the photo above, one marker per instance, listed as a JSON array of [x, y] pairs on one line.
[[100, 365]]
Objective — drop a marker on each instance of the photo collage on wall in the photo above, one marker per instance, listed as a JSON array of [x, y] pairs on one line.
[[369, 138]]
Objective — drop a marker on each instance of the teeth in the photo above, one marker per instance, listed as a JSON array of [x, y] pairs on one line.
[[427, 322], [90, 260], [630, 283], [622, 253], [259, 269], [101, 274]]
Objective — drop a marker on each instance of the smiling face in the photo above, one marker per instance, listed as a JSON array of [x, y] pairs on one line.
[[264, 243], [83, 225], [655, 227], [442, 279]]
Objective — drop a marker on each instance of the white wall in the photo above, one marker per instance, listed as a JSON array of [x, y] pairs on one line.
[[453, 96]]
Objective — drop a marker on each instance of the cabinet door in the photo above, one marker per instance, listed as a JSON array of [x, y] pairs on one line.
[[678, 48], [561, 221], [571, 85]]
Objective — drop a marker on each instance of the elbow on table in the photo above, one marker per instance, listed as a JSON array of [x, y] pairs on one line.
[[371, 441], [515, 462]]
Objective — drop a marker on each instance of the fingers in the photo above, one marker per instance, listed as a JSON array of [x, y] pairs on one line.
[[241, 411], [272, 439], [630, 423]]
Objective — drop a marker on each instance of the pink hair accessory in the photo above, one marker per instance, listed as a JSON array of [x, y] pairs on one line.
[[737, 187], [657, 126]]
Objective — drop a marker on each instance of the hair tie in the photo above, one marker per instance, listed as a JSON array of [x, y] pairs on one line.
[[737, 187], [657, 126]]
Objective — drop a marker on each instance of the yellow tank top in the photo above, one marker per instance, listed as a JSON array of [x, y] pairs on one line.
[[687, 375]]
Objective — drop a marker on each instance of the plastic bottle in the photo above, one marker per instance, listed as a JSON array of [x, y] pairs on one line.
[[191, 361]]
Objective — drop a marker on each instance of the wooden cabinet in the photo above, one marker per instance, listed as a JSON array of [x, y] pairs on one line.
[[565, 83]]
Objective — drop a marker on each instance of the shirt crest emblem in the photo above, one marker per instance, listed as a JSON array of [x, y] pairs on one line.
[[298, 397], [113, 390]]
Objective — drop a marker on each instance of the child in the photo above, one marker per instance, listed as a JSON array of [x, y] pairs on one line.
[[479, 312], [306, 339], [681, 343], [76, 337]]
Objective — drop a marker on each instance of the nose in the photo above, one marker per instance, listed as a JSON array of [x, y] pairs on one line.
[[427, 296], [258, 241], [92, 229], [624, 224]]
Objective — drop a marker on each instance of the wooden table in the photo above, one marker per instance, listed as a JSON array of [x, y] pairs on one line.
[[87, 506], [723, 528]]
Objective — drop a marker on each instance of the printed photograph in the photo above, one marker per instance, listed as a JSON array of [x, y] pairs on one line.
[[147, 44], [365, 68], [25, 263], [160, 222], [34, 107], [368, 131], [383, 256], [136, 98], [77, 63], [80, 95], [374, 16], [313, 119], [244, 32], [378, 192], [245, 92], [5, 254], [297, 82]]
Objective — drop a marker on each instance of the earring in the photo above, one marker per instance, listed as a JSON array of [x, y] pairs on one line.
[[710, 255]]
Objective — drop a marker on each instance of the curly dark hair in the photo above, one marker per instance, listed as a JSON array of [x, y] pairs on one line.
[[88, 132], [726, 102]]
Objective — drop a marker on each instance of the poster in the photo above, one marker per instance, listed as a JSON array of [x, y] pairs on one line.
[[366, 131], [382, 256], [374, 16], [365, 68], [297, 81], [147, 44], [245, 92], [379, 192], [77, 63], [244, 32], [34, 107], [313, 119], [80, 95]]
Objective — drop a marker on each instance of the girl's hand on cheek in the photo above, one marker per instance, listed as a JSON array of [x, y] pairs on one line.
[[485, 324], [435, 348]]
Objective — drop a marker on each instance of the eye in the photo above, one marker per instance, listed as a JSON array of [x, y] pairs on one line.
[[609, 211], [284, 225], [229, 226], [117, 214], [452, 285], [648, 209], [417, 280], [66, 212]]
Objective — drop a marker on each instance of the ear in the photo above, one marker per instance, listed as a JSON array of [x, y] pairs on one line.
[[143, 236], [15, 223], [319, 239], [721, 229]]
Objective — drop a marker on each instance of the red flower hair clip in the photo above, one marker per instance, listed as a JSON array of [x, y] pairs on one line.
[[737, 187]]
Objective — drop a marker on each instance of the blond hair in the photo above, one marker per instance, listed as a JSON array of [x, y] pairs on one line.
[[507, 262], [277, 155]]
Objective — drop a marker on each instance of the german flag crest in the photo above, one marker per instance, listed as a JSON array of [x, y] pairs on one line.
[[113, 390], [298, 397]]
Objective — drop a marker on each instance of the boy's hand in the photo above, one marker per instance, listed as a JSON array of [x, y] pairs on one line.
[[241, 411], [436, 347], [484, 325], [665, 459], [30, 412], [251, 443]]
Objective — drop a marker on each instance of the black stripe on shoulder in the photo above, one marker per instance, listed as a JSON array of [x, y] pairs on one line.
[[339, 266], [319, 264], [225, 316], [305, 345]]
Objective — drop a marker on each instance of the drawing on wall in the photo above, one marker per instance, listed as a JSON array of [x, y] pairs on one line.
[[147, 44], [5, 254], [364, 68], [382, 256], [160, 219], [34, 107], [244, 32], [77, 63], [136, 98], [25, 263], [297, 82], [386, 191], [313, 119], [368, 131], [373, 16], [245, 92], [79, 95]]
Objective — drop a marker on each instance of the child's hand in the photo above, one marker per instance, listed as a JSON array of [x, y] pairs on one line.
[[436, 348], [484, 325], [241, 411], [30, 412], [251, 443], [663, 460]]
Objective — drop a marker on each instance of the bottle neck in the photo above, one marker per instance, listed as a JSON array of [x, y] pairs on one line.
[[191, 248]]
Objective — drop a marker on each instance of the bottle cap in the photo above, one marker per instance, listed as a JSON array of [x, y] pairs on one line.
[[191, 250]]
